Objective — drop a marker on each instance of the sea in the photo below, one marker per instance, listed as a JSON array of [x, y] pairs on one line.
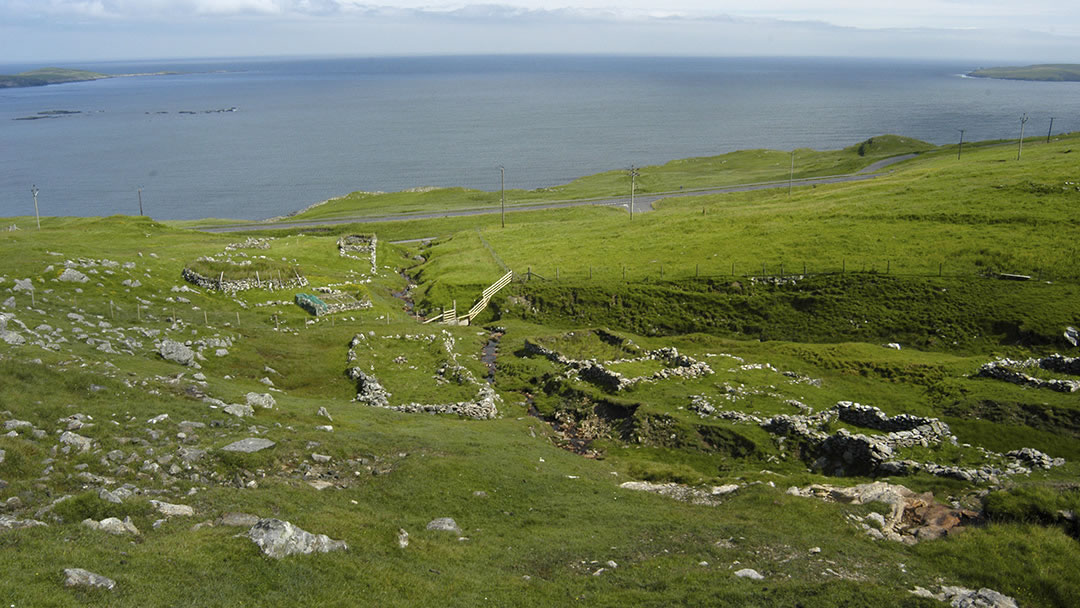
[[259, 138]]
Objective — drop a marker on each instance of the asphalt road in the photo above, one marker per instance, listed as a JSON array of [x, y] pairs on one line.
[[642, 203]]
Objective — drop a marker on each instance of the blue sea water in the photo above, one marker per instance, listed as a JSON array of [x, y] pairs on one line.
[[305, 130]]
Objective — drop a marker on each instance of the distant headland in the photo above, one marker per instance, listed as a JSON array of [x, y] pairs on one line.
[[46, 76], [1049, 72]]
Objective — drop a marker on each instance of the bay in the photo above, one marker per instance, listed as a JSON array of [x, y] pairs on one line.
[[255, 138]]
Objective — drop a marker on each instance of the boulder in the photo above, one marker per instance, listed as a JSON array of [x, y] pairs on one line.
[[77, 577], [76, 440], [444, 524], [279, 539], [176, 352], [70, 275], [171, 510], [749, 573], [12, 338], [263, 400], [112, 525], [239, 410], [249, 445]]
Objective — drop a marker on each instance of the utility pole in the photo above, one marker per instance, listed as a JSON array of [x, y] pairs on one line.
[[791, 176], [502, 193], [140, 202], [633, 181], [1050, 130], [961, 148], [1020, 149], [34, 190]]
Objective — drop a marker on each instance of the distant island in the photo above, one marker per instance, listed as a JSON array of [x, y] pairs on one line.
[[1049, 72], [45, 76]]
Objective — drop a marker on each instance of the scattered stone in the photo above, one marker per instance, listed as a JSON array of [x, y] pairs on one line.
[[10, 302], [237, 520], [325, 428], [320, 458], [959, 597], [322, 412], [264, 400], [26, 285], [750, 574], [444, 524], [249, 445], [239, 410], [75, 440], [70, 275], [112, 525], [675, 491], [157, 419], [10, 523], [108, 496], [279, 539], [77, 577], [171, 510], [320, 485], [1071, 333], [402, 538], [176, 352]]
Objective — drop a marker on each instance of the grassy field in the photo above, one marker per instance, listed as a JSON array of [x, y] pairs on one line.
[[536, 491], [743, 167]]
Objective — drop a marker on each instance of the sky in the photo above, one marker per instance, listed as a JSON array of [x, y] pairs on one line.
[[985, 31]]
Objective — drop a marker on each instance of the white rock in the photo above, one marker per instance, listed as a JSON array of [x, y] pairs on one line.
[[77, 577], [75, 440], [279, 539], [239, 410], [263, 400], [249, 445], [750, 574], [444, 524], [171, 510]]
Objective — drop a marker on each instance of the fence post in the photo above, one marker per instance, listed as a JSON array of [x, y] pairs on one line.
[[238, 318], [804, 268], [204, 319]]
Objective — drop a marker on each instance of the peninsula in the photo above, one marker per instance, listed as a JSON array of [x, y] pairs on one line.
[[44, 76], [1049, 72]]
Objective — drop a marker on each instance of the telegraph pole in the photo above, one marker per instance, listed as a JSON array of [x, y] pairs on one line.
[[961, 148], [633, 179], [791, 176], [1050, 130], [1020, 149], [34, 190], [502, 194], [140, 202]]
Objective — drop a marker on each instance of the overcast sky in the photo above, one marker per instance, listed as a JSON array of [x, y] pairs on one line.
[[1001, 31]]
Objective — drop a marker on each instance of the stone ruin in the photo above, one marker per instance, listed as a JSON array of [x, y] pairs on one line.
[[359, 247], [371, 392], [591, 370], [844, 453], [230, 286], [1008, 371], [330, 301]]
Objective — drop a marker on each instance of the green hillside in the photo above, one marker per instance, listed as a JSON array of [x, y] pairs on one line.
[[683, 408]]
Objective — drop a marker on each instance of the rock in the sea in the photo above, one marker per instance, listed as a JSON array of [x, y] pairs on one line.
[[749, 573], [263, 400], [444, 524], [279, 539], [239, 410], [70, 275], [249, 445], [171, 510], [77, 577], [176, 352]]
